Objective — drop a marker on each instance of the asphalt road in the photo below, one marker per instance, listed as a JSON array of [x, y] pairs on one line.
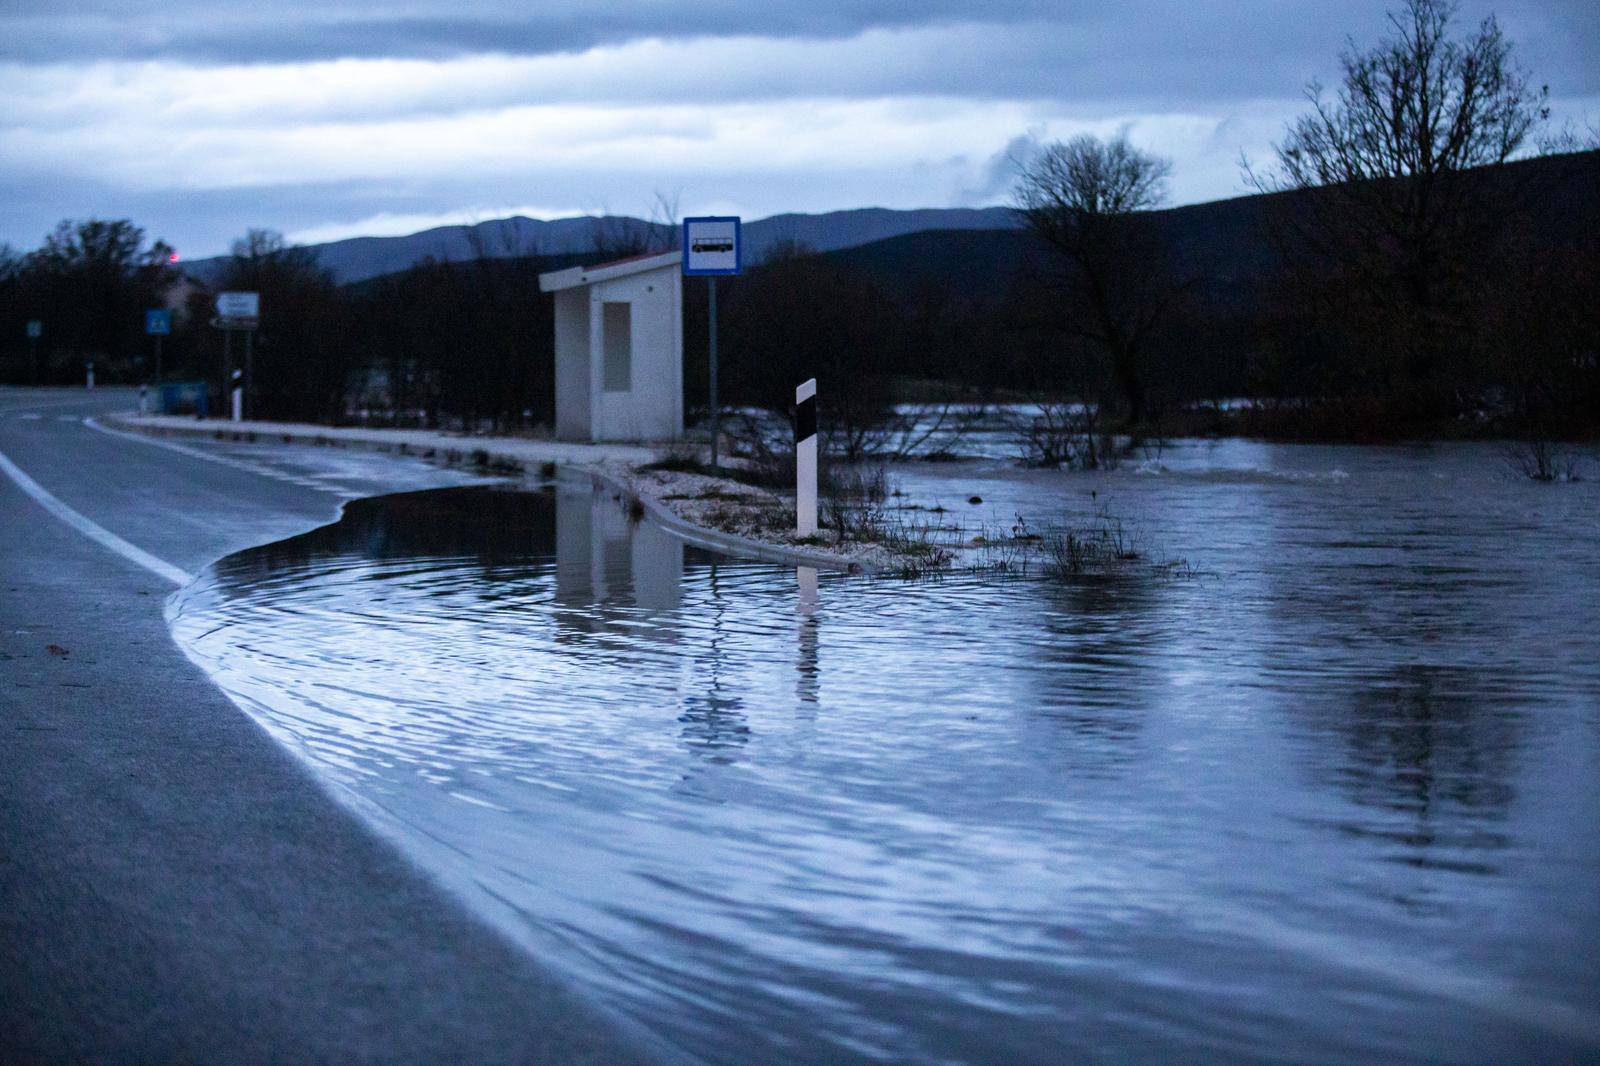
[[174, 887]]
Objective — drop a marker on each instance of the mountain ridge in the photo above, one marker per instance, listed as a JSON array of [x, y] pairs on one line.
[[355, 259]]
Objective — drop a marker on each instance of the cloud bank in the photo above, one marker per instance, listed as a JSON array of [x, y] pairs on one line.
[[202, 119]]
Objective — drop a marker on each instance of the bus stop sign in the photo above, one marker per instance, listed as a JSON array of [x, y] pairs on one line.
[[711, 245]]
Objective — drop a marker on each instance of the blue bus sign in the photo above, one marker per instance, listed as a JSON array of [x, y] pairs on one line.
[[711, 246], [158, 323]]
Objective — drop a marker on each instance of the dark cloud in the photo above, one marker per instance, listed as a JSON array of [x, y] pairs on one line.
[[1224, 63], [290, 30], [1212, 51]]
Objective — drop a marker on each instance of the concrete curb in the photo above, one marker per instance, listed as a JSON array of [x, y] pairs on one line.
[[579, 458], [717, 540]]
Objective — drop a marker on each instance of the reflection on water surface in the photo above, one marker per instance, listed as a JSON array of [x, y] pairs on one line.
[[1333, 799]]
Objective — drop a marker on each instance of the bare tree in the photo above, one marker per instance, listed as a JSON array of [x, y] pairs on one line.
[[1397, 233], [1080, 197], [622, 237], [664, 217]]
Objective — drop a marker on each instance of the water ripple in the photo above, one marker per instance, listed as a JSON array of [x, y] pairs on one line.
[[1329, 801]]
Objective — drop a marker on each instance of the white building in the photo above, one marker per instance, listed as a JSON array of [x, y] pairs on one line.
[[619, 349]]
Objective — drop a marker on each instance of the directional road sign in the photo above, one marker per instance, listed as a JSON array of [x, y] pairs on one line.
[[238, 310]]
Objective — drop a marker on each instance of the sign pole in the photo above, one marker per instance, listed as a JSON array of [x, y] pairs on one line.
[[805, 459], [158, 323], [711, 247], [35, 330], [227, 365], [250, 373], [716, 410]]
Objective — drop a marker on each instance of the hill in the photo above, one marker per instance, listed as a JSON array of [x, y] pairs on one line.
[[361, 258], [1225, 243]]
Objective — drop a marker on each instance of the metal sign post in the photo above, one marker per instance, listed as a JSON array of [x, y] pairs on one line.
[[237, 311], [250, 372], [711, 358], [158, 324], [35, 331], [805, 459], [711, 248]]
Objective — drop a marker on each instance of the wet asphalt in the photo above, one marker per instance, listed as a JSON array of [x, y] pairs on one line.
[[174, 886]]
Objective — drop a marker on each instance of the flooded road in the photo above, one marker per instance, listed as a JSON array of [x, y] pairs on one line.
[[1332, 797]]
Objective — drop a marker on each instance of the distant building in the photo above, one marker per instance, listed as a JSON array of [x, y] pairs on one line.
[[619, 349], [181, 295]]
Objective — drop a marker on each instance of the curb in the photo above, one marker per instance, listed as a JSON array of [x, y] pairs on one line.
[[699, 536], [728, 543]]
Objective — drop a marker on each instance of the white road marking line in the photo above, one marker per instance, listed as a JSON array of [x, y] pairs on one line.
[[97, 533], [225, 460], [31, 416]]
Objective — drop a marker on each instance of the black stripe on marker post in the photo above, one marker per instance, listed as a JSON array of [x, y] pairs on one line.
[[805, 419]]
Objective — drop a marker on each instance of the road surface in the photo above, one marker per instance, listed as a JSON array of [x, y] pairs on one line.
[[173, 885]]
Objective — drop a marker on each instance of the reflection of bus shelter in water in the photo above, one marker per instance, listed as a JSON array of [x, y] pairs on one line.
[[605, 560], [619, 349]]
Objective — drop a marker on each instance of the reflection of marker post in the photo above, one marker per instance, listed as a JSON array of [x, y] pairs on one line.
[[805, 687], [806, 578], [805, 459]]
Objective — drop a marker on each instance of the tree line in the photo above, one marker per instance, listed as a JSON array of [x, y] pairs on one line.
[[1404, 274]]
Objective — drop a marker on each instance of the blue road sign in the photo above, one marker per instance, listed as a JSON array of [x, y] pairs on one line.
[[158, 323], [711, 245]]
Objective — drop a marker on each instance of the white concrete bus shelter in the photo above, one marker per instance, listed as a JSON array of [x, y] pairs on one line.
[[619, 349]]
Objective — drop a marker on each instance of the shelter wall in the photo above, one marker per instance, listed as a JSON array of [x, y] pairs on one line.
[[652, 407], [574, 415]]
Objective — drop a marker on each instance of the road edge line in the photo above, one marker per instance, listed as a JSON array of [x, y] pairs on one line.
[[89, 528]]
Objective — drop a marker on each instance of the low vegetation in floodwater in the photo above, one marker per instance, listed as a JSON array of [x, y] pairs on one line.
[[1543, 460], [1099, 547], [864, 513]]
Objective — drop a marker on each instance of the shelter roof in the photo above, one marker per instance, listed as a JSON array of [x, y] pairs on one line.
[[621, 268]]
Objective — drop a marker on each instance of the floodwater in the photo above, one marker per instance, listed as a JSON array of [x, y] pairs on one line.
[[1334, 795]]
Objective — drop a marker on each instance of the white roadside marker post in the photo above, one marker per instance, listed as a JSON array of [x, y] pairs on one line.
[[88, 371], [805, 459], [237, 394]]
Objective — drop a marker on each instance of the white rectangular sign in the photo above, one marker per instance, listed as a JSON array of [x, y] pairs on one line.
[[239, 304], [711, 245]]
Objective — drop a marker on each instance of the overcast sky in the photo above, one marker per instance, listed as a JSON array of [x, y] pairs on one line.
[[331, 118]]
